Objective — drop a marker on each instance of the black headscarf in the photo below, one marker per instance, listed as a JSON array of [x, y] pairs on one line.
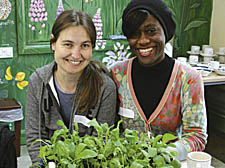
[[158, 9]]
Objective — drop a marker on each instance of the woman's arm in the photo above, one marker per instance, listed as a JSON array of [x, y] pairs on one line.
[[194, 119], [32, 118]]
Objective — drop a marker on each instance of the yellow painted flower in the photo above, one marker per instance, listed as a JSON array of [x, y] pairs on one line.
[[20, 76], [22, 84], [8, 75]]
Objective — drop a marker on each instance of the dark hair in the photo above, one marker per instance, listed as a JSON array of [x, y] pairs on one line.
[[74, 18], [90, 81], [133, 21]]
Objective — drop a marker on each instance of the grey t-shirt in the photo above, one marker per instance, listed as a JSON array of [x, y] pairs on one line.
[[66, 103]]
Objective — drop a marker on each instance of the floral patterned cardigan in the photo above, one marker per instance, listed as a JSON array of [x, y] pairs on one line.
[[181, 110]]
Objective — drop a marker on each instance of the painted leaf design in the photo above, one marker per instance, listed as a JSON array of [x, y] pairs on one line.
[[111, 53], [22, 84], [20, 76], [1, 73], [195, 5], [8, 75], [118, 27], [4, 93], [195, 24]]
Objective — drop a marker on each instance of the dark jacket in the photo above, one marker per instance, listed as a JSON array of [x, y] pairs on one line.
[[7, 148]]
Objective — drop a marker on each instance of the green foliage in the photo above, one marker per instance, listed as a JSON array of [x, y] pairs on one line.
[[108, 149]]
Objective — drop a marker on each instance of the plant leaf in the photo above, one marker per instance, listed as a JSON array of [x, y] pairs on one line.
[[104, 127], [115, 133], [61, 149], [172, 145], [98, 128], [108, 150], [79, 148], [166, 157], [60, 123], [156, 139], [159, 161], [37, 140], [52, 158], [174, 153], [144, 162], [99, 142], [168, 137], [175, 164], [152, 152], [115, 162], [146, 154], [89, 142], [87, 153], [136, 165], [59, 133]]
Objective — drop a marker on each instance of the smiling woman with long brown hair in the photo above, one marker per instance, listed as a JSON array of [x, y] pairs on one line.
[[72, 88]]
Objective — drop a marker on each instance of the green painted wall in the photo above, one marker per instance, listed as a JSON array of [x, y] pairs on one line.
[[193, 18]]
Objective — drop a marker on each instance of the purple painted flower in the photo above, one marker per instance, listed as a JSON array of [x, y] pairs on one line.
[[87, 1], [60, 8], [37, 14], [33, 28]]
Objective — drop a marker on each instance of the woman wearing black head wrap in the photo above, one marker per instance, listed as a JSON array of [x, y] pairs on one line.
[[157, 93]]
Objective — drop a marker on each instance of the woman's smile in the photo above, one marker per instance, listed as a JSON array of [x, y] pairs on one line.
[[145, 51], [74, 62]]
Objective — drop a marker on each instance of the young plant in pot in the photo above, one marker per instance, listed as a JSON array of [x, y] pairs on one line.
[[109, 149]]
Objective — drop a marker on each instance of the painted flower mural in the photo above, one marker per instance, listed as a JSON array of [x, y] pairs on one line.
[[19, 78], [37, 14], [120, 53], [100, 44], [88, 0], [5, 9], [60, 9]]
